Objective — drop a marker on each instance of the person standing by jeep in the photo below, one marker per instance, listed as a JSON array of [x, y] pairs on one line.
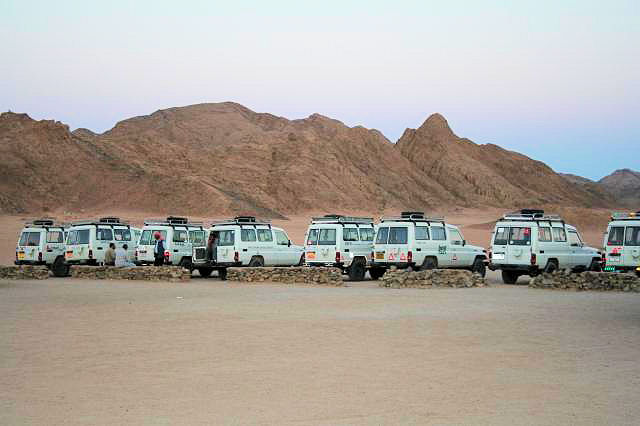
[[212, 247], [158, 250], [110, 255]]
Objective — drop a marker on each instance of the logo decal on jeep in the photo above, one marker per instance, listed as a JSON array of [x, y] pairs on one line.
[[442, 249]]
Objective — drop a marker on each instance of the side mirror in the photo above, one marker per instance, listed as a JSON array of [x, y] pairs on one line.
[[464, 242], [289, 243]]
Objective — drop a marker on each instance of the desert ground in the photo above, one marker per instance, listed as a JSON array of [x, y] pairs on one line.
[[213, 352]]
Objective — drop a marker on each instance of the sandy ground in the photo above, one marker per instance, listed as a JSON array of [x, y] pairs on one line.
[[475, 224], [208, 352]]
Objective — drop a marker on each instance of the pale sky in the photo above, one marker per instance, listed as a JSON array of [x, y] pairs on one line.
[[558, 81]]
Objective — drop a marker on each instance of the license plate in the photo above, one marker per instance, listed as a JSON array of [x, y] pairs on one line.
[[311, 255], [20, 255], [69, 254], [498, 256], [380, 255], [613, 259]]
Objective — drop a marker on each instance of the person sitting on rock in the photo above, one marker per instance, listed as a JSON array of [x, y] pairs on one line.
[[110, 255], [122, 260]]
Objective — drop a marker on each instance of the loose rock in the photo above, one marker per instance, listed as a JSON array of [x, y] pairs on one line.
[[432, 278], [598, 281], [24, 272], [301, 275], [144, 273]]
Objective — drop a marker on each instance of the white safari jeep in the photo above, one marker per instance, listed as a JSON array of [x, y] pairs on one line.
[[340, 241], [529, 242], [622, 243], [87, 240], [42, 243], [245, 241], [179, 236], [418, 242]]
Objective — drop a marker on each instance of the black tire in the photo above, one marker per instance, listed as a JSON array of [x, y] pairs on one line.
[[552, 266], [376, 273], [429, 263], [205, 272], [222, 274], [185, 262], [301, 262], [595, 266], [60, 268], [357, 270], [479, 267], [256, 262], [510, 277]]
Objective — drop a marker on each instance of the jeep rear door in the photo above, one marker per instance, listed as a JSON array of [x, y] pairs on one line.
[[631, 253], [519, 245], [226, 246], [397, 246], [29, 245], [325, 244]]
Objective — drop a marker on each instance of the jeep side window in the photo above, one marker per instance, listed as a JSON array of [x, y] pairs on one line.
[[633, 236], [265, 235], [71, 237], [520, 236], [312, 239], [544, 234], [398, 235], [82, 236], [122, 234], [55, 237], [366, 234], [502, 236], [30, 239], [616, 236], [455, 237], [196, 237], [349, 234], [145, 238], [574, 238], [103, 234], [437, 233], [559, 235], [382, 236], [422, 233], [281, 238], [180, 236], [248, 235], [226, 238], [327, 237]]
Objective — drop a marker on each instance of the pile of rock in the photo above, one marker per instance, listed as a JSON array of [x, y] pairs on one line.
[[144, 273], [432, 278], [456, 278], [601, 281], [24, 272], [301, 275]]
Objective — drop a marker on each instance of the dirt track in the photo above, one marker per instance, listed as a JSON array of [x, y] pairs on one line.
[[82, 352]]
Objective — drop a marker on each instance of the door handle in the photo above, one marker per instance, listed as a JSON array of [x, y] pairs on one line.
[[99, 248], [418, 249], [245, 249], [175, 250], [346, 250]]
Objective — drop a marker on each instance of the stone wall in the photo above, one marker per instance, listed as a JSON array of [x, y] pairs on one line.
[[433, 278], [302, 275], [601, 281], [24, 272], [144, 273]]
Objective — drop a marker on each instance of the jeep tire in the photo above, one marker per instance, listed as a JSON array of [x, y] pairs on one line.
[[205, 272], [256, 262], [510, 277], [429, 263], [59, 267], [551, 267], [357, 270], [376, 273], [479, 267]]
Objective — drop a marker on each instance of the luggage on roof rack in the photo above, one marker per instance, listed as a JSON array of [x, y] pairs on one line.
[[177, 220], [42, 222], [412, 217], [534, 212], [110, 219], [245, 218], [531, 214], [415, 215]]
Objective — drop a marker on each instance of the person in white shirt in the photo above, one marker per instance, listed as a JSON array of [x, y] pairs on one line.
[[121, 257]]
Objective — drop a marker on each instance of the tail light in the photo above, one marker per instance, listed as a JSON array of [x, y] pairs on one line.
[[236, 257], [533, 258], [90, 254], [337, 257], [136, 254], [409, 256], [39, 256], [167, 254]]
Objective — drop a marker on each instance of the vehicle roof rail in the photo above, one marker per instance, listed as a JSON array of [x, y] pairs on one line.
[[173, 221], [340, 219], [110, 219], [412, 217], [625, 215], [531, 215], [45, 222], [106, 221], [241, 220]]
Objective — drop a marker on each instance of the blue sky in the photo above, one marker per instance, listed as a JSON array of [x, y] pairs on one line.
[[557, 80]]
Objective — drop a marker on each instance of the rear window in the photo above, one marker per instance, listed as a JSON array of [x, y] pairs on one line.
[[422, 233], [180, 235], [55, 237], [248, 235], [559, 235], [544, 234], [327, 237], [520, 236], [227, 238], [30, 239], [312, 238], [103, 234], [366, 234], [632, 236], [502, 236], [398, 235], [382, 236], [437, 233], [350, 234], [616, 236], [122, 234], [78, 237]]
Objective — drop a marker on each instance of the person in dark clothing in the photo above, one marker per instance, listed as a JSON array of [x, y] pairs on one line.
[[158, 251], [110, 255], [212, 247]]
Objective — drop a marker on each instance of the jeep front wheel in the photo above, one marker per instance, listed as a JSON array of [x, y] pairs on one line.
[[479, 267]]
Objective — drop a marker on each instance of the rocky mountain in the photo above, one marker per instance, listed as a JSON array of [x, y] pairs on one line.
[[213, 159], [624, 184]]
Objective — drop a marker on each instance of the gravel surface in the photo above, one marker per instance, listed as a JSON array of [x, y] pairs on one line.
[[208, 352]]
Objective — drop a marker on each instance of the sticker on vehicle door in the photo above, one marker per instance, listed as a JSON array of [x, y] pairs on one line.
[[442, 249]]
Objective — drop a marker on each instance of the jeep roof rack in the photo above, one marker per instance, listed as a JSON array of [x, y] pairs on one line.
[[531, 215], [173, 221], [107, 221], [625, 215], [412, 217], [341, 219], [45, 222], [241, 220]]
